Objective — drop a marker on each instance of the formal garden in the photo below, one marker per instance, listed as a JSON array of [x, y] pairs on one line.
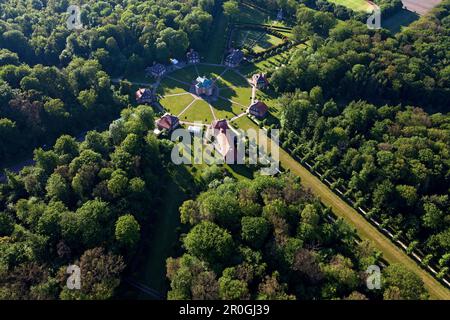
[[232, 99]]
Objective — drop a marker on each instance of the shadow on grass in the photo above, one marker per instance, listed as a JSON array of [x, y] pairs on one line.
[[243, 170], [160, 237], [232, 94], [170, 86], [400, 19]]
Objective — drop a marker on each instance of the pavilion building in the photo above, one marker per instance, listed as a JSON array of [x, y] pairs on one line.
[[259, 80], [204, 86], [193, 57], [258, 109], [168, 122], [145, 96], [234, 58], [157, 70]]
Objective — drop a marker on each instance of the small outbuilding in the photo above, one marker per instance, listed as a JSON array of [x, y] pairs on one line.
[[157, 70], [168, 122], [220, 125], [258, 109], [193, 57], [234, 58], [204, 86], [260, 81], [145, 96]]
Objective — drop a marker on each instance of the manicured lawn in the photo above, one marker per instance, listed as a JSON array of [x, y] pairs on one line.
[[187, 74], [139, 77], [244, 123], [199, 111], [169, 86], [266, 42], [176, 104], [210, 71], [270, 99], [224, 109], [258, 40], [161, 240], [240, 95], [355, 5], [243, 36], [231, 78]]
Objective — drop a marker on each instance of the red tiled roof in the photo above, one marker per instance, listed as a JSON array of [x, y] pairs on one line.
[[259, 107], [167, 121], [220, 125]]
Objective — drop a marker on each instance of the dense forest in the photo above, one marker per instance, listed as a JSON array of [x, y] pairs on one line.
[[271, 239], [130, 33], [351, 62], [371, 111], [387, 7], [82, 203], [367, 108], [54, 80]]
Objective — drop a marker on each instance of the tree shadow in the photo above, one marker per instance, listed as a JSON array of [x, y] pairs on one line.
[[398, 20], [243, 170], [167, 86]]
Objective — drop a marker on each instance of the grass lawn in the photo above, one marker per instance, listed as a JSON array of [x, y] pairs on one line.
[[161, 241], [139, 77], [211, 72], [266, 42], [355, 5], [231, 78], [244, 123], [240, 95], [187, 74], [169, 86], [270, 99], [199, 111], [176, 104], [224, 109]]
